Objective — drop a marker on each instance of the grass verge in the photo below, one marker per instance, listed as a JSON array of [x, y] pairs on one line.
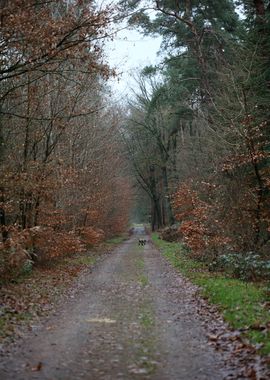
[[244, 305], [117, 239]]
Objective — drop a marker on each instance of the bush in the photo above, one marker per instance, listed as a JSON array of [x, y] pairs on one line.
[[246, 266], [171, 234], [14, 260], [90, 235], [42, 245], [49, 244]]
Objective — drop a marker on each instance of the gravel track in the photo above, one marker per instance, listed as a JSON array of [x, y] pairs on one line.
[[133, 318]]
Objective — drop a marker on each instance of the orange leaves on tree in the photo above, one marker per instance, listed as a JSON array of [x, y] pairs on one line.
[[192, 213], [62, 30], [90, 236], [62, 165], [49, 244], [200, 229]]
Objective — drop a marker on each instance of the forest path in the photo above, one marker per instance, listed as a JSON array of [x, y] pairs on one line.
[[135, 318]]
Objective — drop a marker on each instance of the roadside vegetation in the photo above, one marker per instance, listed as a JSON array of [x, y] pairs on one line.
[[197, 129], [244, 305], [117, 239], [64, 180], [35, 291], [197, 133]]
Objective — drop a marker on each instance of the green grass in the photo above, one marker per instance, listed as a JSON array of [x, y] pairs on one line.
[[243, 304], [146, 317], [140, 263], [116, 240], [84, 260], [146, 320], [143, 280]]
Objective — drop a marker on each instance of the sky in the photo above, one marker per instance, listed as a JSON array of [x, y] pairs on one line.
[[129, 52]]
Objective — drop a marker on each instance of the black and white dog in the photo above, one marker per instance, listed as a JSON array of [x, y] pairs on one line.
[[142, 241]]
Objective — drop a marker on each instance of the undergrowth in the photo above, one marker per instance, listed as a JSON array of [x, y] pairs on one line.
[[244, 305], [33, 292]]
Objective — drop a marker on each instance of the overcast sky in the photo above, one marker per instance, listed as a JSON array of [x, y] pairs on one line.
[[129, 53]]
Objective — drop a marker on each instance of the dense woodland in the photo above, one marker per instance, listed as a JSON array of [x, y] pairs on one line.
[[194, 136], [198, 130], [64, 183]]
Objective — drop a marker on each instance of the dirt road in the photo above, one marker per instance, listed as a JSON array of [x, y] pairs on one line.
[[134, 318]]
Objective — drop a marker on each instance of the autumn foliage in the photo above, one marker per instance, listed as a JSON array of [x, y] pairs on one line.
[[228, 214], [62, 167], [201, 232]]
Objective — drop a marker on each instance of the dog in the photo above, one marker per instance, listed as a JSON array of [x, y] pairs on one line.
[[142, 242]]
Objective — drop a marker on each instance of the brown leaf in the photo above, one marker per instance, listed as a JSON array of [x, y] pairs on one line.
[[257, 326], [38, 367], [251, 374], [213, 337]]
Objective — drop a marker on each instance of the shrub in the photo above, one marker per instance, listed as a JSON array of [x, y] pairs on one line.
[[90, 235], [49, 244], [171, 234], [246, 266], [14, 259]]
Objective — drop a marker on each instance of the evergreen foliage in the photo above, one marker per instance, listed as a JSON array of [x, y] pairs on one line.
[[213, 95]]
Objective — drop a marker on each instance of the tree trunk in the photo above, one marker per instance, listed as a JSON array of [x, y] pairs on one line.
[[156, 215], [169, 219]]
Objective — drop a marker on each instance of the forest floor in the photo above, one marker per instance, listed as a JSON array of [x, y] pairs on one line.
[[131, 316]]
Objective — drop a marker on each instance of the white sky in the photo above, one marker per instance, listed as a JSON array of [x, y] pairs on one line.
[[129, 52]]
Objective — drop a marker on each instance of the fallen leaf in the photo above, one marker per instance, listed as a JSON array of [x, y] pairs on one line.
[[213, 337], [38, 367], [251, 374]]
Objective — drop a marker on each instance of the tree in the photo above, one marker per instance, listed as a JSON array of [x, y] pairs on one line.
[[62, 166], [63, 29], [215, 77], [149, 141]]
